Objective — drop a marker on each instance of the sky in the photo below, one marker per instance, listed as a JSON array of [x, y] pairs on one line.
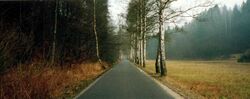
[[117, 8]]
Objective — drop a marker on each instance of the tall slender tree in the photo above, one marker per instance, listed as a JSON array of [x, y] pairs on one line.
[[138, 28], [144, 33], [54, 34], [161, 33], [95, 32]]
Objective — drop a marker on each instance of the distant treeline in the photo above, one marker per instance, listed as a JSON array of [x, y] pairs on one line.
[[217, 33], [26, 31]]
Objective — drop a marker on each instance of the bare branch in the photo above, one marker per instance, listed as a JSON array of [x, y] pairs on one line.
[[179, 13]]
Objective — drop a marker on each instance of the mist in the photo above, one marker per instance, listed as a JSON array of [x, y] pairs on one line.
[[217, 33]]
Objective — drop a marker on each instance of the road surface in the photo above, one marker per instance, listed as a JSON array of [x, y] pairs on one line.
[[125, 81]]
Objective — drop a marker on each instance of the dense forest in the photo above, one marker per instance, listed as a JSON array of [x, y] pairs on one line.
[[51, 49], [217, 33], [29, 30]]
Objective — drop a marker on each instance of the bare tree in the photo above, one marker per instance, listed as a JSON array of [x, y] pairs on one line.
[[54, 35], [96, 35], [163, 6], [138, 30], [144, 3], [157, 63]]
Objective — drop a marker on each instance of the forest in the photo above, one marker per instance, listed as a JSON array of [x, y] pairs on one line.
[[27, 32], [45, 42], [217, 33]]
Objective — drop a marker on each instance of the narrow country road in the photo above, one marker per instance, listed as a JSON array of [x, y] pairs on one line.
[[125, 81]]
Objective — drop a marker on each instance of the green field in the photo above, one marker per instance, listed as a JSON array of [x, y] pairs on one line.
[[207, 79]]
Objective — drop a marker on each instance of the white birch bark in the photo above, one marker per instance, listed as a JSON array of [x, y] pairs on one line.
[[144, 34], [162, 40], [96, 35]]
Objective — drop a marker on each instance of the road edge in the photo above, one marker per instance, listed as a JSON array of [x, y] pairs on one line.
[[92, 84], [167, 89]]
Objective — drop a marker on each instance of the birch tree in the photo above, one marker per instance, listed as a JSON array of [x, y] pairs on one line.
[[137, 27], [144, 14], [95, 32], [168, 15], [162, 58]]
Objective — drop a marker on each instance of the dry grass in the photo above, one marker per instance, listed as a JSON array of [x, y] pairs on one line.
[[207, 79], [30, 82]]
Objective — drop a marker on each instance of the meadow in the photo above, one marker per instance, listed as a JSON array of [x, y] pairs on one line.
[[225, 79]]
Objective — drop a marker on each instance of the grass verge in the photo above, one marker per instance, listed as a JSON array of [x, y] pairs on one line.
[[206, 79], [36, 82]]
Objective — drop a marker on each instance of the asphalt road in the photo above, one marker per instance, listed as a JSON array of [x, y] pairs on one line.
[[125, 81]]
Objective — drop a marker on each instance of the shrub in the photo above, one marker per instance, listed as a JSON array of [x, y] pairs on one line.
[[30, 82], [245, 57]]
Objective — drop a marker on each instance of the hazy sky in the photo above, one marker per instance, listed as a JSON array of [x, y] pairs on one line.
[[118, 7]]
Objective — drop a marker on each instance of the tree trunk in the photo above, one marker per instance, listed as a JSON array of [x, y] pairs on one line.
[[144, 52], [144, 34], [157, 61], [137, 38], [33, 18], [141, 32], [141, 51], [138, 50], [54, 35], [131, 47], [131, 53], [96, 35], [162, 42], [135, 46]]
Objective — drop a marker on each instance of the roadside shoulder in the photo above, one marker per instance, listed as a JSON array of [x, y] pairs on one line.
[[167, 89]]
